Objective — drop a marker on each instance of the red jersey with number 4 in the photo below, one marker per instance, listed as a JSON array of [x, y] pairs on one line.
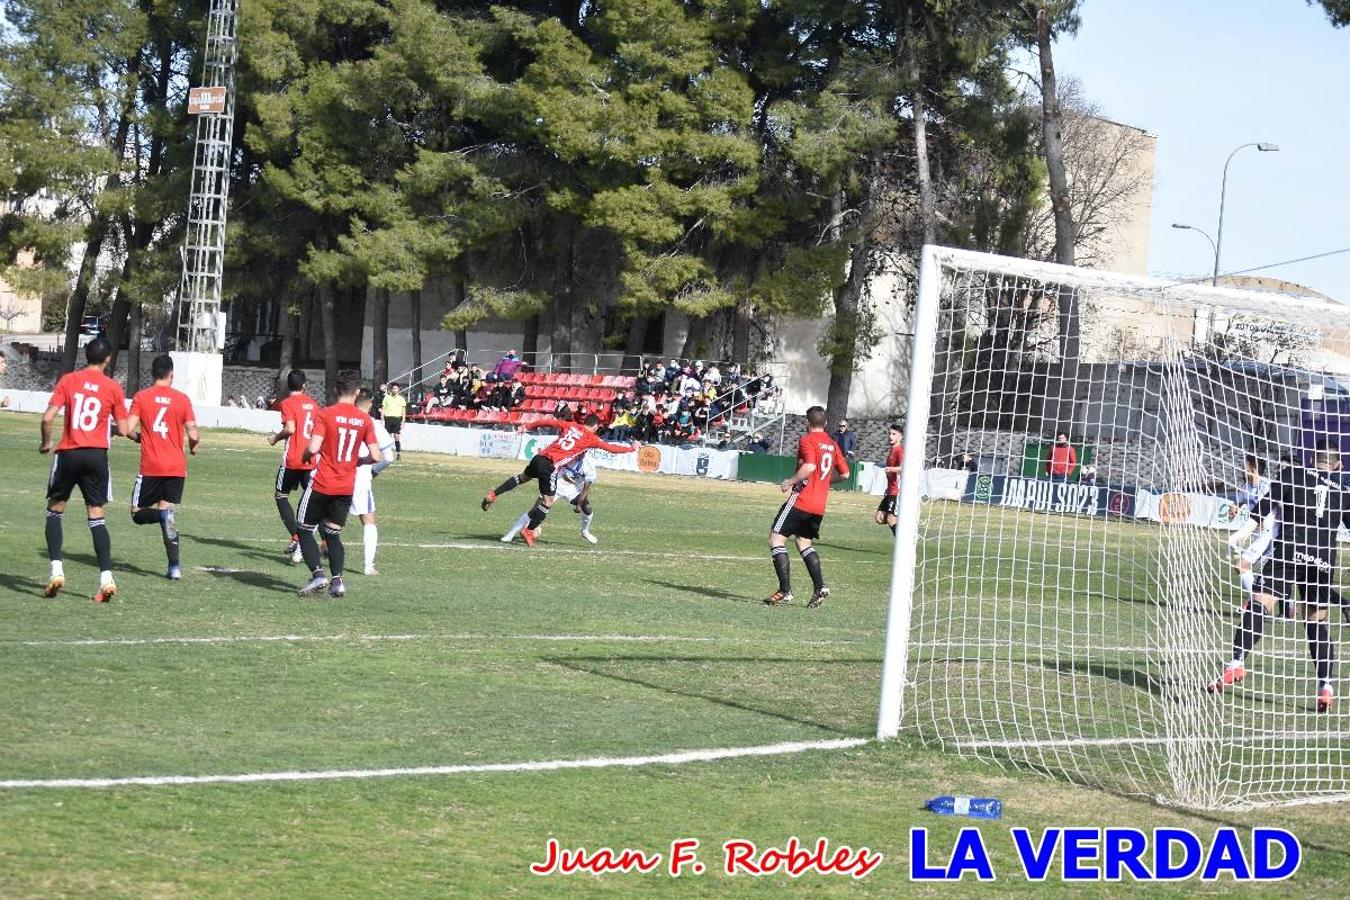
[[344, 428], [574, 440], [896, 457], [91, 402], [301, 410], [163, 413], [818, 448]]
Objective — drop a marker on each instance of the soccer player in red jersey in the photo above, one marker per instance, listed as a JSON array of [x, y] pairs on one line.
[[298, 410], [91, 402], [818, 461], [574, 439], [886, 509], [339, 432], [160, 415]]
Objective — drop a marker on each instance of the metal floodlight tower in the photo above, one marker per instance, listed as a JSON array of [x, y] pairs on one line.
[[199, 291]]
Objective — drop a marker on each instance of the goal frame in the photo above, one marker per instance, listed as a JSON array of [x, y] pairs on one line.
[[933, 259]]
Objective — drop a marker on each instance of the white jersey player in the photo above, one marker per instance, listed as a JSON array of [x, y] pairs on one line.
[[363, 494], [574, 482]]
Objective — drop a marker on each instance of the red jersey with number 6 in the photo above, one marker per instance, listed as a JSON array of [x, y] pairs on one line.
[[163, 413], [818, 448], [91, 402], [344, 428], [300, 409]]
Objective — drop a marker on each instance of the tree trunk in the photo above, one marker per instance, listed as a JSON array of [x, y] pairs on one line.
[[740, 332], [327, 319], [927, 203], [379, 327], [117, 319], [84, 283], [635, 342], [844, 357], [415, 298], [1052, 126], [286, 358], [135, 334], [529, 347], [694, 338]]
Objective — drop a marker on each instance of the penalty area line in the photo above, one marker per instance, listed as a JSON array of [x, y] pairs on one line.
[[364, 638], [681, 757]]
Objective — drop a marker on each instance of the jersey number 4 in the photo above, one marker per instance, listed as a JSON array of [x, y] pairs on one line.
[[160, 427]]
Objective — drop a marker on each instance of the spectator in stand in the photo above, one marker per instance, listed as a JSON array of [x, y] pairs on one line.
[[562, 411], [689, 381], [758, 443], [508, 366], [714, 375], [682, 429], [621, 428], [847, 439], [672, 371], [1088, 474], [515, 396], [1063, 459], [967, 462]]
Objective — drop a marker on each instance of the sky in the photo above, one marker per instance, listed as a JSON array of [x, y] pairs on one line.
[[1206, 76]]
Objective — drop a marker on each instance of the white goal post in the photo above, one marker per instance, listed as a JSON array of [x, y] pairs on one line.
[[1062, 608]]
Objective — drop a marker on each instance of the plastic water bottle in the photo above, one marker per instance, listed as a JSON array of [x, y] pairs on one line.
[[973, 807]]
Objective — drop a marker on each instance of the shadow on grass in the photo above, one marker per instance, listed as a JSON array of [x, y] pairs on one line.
[[119, 565], [252, 551], [702, 591], [21, 585], [595, 665]]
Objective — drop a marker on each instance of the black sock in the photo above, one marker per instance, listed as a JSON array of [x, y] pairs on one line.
[[510, 484], [782, 568], [892, 529], [146, 517], [309, 548], [813, 567], [1321, 649], [337, 554], [538, 513], [398, 445], [55, 536], [1248, 634], [98, 529], [287, 516], [170, 546]]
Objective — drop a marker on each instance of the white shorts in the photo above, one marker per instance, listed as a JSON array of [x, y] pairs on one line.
[[567, 489], [363, 494]]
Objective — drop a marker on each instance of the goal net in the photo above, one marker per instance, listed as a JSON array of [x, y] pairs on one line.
[[1061, 608]]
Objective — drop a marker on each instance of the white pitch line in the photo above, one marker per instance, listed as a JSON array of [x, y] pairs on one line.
[[596, 762], [576, 551], [357, 638]]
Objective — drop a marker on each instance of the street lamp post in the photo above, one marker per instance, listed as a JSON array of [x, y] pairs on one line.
[[1223, 195], [1209, 318], [1212, 246]]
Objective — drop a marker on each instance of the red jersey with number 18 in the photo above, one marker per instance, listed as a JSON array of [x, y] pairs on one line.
[[818, 448], [91, 402], [163, 413], [301, 409], [344, 428]]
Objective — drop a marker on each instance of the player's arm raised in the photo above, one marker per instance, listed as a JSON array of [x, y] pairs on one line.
[[544, 423]]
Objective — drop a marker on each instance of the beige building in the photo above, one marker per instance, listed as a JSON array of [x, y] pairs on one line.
[[19, 313]]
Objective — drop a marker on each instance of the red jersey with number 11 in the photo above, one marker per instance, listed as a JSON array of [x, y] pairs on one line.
[[818, 448], [91, 402], [344, 428], [164, 414]]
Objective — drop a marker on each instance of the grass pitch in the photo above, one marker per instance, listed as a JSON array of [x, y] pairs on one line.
[[467, 652]]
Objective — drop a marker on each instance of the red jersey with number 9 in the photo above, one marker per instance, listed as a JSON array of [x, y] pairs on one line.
[[344, 428], [91, 401], [301, 409], [163, 413], [818, 448]]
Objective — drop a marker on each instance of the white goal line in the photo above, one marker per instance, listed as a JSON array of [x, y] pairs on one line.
[[553, 765], [465, 636]]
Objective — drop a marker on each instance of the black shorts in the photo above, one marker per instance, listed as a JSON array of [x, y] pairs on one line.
[[1282, 579], [542, 469], [150, 490], [792, 522], [85, 468], [316, 508], [393, 425], [290, 479], [887, 504]]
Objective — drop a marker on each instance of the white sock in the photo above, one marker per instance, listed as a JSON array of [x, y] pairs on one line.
[[1248, 581], [521, 523], [370, 538], [104, 579], [586, 522], [58, 569]]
